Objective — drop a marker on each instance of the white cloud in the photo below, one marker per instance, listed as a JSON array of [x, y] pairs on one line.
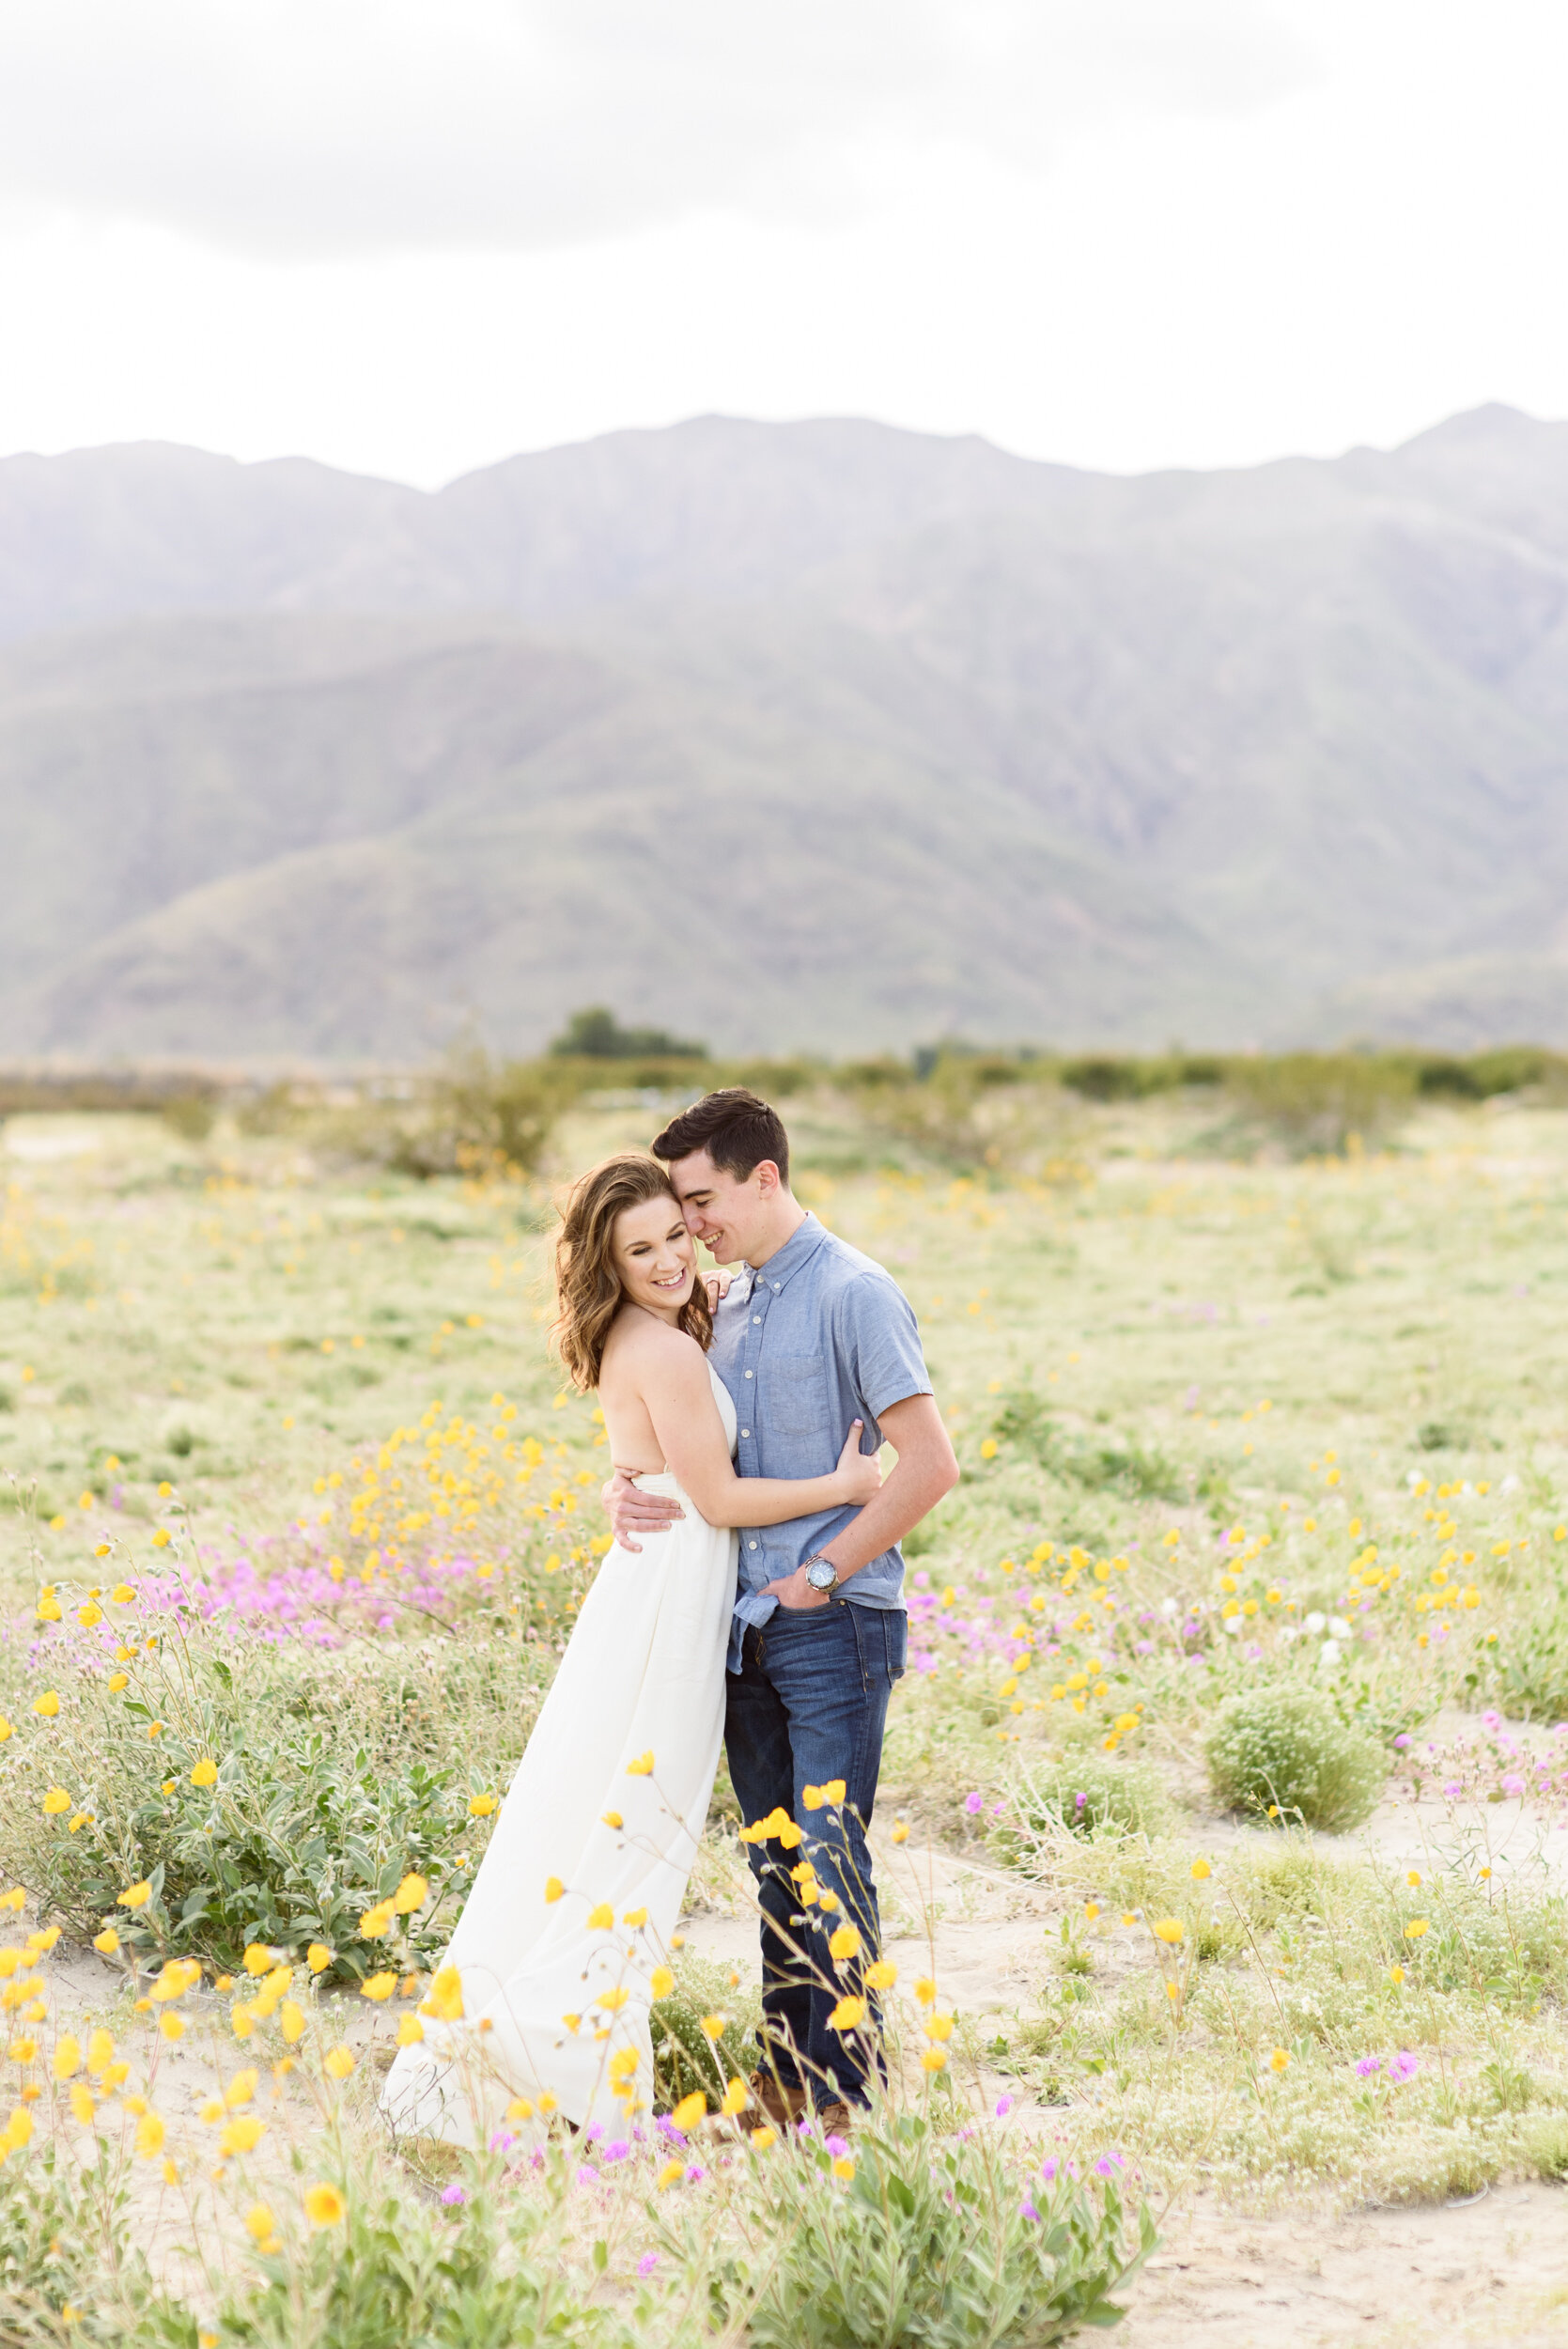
[[311, 128], [1125, 233]]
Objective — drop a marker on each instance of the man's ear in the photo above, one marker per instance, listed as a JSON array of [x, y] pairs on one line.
[[766, 1174]]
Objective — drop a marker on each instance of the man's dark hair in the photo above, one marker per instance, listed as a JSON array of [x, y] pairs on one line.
[[736, 1129]]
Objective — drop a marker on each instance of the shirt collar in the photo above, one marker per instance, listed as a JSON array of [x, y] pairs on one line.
[[797, 1250]]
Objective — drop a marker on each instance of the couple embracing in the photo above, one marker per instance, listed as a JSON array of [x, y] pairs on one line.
[[752, 1599]]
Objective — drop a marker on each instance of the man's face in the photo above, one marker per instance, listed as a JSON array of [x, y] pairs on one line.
[[727, 1215]]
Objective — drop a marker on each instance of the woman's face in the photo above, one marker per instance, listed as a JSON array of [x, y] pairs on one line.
[[655, 1256]]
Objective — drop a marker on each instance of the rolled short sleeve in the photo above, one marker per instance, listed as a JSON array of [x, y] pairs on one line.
[[878, 1334]]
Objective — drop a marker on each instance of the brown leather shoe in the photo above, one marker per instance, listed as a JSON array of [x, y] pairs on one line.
[[773, 2105], [836, 2120]]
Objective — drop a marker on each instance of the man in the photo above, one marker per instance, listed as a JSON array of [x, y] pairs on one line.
[[810, 1336]]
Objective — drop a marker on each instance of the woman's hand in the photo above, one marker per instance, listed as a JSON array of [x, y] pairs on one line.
[[859, 1474], [718, 1287]]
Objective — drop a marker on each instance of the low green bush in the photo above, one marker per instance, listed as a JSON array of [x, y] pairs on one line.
[[1285, 1752], [1318, 1103], [685, 2058], [1527, 1676], [398, 2273], [1024, 1420], [300, 1833], [1087, 1793], [934, 2243]]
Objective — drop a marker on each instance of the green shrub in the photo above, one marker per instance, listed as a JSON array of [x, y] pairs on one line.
[[190, 1116], [1088, 1794], [1024, 1421], [400, 2274], [935, 2244], [598, 1034], [1547, 2145], [1528, 1677], [303, 1830], [47, 2251], [684, 2058], [1316, 1102], [1283, 1749]]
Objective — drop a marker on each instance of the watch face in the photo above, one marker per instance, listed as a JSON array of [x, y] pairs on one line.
[[821, 1575]]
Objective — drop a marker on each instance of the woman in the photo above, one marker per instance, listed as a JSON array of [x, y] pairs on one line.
[[579, 1890]]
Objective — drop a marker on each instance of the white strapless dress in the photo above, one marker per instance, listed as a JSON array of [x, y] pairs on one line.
[[541, 1980]]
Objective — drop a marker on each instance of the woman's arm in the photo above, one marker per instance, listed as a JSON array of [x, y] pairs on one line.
[[678, 1396]]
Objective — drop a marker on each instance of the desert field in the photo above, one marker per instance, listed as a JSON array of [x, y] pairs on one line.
[[1224, 1811]]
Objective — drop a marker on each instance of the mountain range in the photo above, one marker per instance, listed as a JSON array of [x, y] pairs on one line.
[[819, 735]]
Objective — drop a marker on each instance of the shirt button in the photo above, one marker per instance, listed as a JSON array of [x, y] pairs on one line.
[[751, 1544], [775, 1289], [745, 1431], [748, 1374], [756, 1316]]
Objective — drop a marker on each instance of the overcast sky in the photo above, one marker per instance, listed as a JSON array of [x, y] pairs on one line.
[[414, 236]]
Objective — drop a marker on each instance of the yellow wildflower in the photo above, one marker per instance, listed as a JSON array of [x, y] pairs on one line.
[[444, 2003]]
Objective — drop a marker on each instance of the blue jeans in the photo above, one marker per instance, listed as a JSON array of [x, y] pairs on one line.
[[808, 1705]]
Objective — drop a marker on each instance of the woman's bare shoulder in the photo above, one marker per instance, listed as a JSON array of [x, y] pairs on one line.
[[640, 1339]]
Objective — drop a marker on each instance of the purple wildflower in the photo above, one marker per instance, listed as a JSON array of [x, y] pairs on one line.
[[1047, 2171], [586, 2176], [452, 2194], [695, 2173], [1404, 2066], [1029, 2210], [648, 2262], [974, 1803], [1368, 2065], [1005, 2105], [617, 2150], [838, 2147]]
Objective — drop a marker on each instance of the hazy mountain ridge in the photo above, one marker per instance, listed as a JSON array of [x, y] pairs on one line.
[[817, 734]]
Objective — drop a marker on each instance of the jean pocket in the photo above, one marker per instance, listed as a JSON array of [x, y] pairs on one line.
[[898, 1643], [802, 1615]]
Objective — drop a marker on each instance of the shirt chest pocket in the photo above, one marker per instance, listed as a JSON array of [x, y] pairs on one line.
[[795, 1393]]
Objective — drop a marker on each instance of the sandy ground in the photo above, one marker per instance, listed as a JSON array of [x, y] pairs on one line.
[[1460, 2277]]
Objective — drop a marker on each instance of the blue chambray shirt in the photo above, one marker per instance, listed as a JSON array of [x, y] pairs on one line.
[[817, 1337]]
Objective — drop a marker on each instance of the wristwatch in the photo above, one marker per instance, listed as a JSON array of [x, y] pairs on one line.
[[821, 1573]]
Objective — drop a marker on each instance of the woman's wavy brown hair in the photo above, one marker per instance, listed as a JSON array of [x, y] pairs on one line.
[[588, 1290]]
